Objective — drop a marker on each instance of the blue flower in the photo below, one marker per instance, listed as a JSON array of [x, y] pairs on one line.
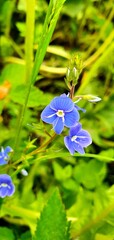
[[4, 155], [60, 112], [7, 188], [77, 139], [80, 109]]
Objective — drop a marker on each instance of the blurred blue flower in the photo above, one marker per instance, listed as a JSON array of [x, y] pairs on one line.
[[7, 188], [80, 109], [60, 112], [77, 139], [4, 155]]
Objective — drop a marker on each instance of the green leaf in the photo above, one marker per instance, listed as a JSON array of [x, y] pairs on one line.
[[107, 153], [90, 174], [26, 236], [6, 234], [103, 237], [106, 228], [36, 97], [52, 223], [62, 174], [71, 185], [72, 7], [6, 48], [14, 73]]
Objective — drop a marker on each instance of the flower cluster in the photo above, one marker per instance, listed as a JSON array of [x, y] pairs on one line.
[[7, 188], [62, 112]]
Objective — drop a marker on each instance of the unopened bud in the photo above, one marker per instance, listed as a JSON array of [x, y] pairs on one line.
[[93, 99], [89, 97], [73, 71], [24, 172]]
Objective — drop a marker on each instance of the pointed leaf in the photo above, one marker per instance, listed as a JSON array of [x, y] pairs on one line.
[[52, 223]]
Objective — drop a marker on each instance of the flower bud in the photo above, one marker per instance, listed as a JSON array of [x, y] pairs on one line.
[[88, 97], [24, 172], [73, 71]]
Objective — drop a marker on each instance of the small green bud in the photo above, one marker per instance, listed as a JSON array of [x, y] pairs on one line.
[[73, 71], [89, 97]]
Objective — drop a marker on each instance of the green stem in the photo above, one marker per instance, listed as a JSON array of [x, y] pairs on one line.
[[29, 37], [49, 25], [30, 18], [101, 58], [36, 151], [16, 47], [103, 29], [20, 211], [100, 50], [42, 146]]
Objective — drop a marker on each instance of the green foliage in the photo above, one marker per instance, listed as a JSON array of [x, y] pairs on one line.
[[37, 98], [84, 206], [90, 174], [26, 236], [52, 223], [6, 233]]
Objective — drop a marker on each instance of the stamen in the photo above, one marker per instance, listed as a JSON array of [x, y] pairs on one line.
[[73, 138], [3, 185], [50, 115], [60, 113]]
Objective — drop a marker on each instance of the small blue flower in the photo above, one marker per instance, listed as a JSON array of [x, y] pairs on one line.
[[77, 139], [7, 188], [4, 155], [60, 112]]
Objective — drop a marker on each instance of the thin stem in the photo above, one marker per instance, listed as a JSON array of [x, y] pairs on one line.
[[16, 48], [92, 47], [49, 25], [100, 50], [42, 146], [105, 55], [36, 151], [29, 37], [20, 211], [30, 18]]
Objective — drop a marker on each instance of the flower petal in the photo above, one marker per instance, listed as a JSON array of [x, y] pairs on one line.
[[3, 192], [84, 138], [2, 161], [7, 188], [58, 125], [71, 118], [62, 103], [48, 115], [7, 150], [69, 145], [80, 109], [74, 130], [78, 147]]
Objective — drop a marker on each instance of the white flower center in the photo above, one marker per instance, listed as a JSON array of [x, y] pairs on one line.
[[73, 138], [60, 113], [4, 185]]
